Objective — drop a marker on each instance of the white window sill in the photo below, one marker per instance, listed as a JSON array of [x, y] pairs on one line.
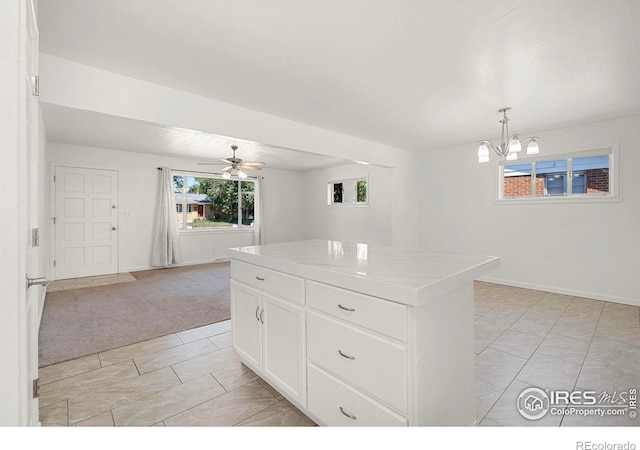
[[348, 205], [558, 200], [216, 230]]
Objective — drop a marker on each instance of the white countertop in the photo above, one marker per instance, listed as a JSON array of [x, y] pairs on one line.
[[407, 277]]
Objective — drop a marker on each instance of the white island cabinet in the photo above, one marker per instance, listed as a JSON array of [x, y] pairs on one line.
[[360, 335]]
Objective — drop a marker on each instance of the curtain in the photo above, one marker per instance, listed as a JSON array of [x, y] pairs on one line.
[[258, 211], [165, 250]]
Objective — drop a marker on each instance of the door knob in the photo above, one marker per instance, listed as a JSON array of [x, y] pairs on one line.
[[113, 228], [41, 281]]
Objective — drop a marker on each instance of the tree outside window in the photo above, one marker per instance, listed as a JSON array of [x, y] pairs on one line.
[[213, 203]]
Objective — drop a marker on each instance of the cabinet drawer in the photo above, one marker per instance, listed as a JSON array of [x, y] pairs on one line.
[[375, 365], [281, 284], [378, 315], [328, 397]]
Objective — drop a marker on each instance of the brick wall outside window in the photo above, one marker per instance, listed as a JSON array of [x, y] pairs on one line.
[[597, 181], [520, 186]]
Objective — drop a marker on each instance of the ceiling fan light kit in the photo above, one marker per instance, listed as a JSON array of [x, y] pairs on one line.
[[509, 146], [236, 166]]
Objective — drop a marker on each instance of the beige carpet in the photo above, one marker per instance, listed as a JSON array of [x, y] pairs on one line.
[[84, 321]]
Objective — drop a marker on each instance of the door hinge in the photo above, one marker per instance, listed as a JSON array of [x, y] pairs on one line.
[[35, 390], [54, 178], [54, 263], [54, 220], [36, 85]]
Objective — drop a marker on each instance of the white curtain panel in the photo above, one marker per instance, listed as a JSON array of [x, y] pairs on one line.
[[258, 226], [165, 250]]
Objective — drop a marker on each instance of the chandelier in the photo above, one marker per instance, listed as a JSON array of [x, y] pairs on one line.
[[509, 146]]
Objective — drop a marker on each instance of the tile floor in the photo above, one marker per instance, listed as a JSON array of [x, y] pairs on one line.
[[193, 378]]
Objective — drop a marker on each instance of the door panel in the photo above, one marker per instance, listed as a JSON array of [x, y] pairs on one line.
[[284, 354], [86, 224], [245, 316]]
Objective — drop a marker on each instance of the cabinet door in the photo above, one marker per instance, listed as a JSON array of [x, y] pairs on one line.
[[245, 328], [284, 351]]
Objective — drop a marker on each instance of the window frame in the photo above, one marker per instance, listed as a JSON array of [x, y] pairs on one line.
[[240, 228], [348, 184], [614, 178]]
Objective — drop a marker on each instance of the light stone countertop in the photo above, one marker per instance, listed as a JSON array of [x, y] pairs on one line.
[[403, 276]]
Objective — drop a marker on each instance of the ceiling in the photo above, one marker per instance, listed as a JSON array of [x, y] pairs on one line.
[[412, 74], [93, 129]]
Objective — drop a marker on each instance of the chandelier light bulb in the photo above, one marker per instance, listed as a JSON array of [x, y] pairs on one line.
[[226, 175], [533, 148], [512, 156], [241, 174], [514, 144], [483, 153]]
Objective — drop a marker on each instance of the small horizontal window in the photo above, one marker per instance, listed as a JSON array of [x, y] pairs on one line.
[[575, 175], [352, 192]]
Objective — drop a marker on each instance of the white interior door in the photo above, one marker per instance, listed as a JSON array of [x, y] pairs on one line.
[[86, 222], [35, 293], [19, 252]]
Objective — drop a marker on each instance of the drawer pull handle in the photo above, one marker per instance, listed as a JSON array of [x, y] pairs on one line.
[[346, 356], [259, 278], [262, 316], [352, 417], [344, 308], [257, 318]]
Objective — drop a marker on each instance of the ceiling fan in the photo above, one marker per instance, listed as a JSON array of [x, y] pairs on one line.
[[236, 165]]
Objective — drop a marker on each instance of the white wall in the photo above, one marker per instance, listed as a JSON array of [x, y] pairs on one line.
[[283, 206], [585, 249], [370, 224], [137, 179]]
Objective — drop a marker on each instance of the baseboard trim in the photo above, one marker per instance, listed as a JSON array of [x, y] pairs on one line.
[[558, 290], [188, 263]]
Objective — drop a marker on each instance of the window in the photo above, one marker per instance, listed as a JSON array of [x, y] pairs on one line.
[[361, 191], [551, 177], [596, 171], [579, 181], [337, 192], [517, 180], [207, 202], [555, 184], [575, 175], [352, 192]]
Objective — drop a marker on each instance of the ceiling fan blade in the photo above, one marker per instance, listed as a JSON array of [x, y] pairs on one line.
[[227, 160], [244, 166], [255, 163], [209, 164]]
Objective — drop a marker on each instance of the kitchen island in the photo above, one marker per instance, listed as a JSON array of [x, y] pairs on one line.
[[357, 334]]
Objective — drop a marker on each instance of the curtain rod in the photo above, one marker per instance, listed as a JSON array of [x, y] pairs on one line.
[[208, 173]]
